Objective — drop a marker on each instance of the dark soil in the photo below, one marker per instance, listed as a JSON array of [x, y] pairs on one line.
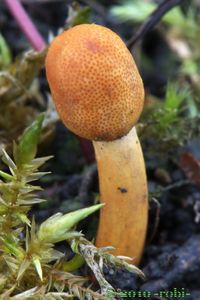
[[171, 259]]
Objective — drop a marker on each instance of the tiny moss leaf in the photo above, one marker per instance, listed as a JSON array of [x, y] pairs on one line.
[[26, 150]]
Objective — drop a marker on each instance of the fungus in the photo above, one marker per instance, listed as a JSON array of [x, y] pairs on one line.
[[99, 95]]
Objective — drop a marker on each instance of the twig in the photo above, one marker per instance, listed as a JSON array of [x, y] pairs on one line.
[[87, 149], [175, 185], [153, 19], [86, 183], [156, 221], [26, 25], [40, 1], [88, 254], [96, 6], [172, 186]]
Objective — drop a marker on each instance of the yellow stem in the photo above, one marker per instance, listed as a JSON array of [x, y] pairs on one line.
[[123, 189]]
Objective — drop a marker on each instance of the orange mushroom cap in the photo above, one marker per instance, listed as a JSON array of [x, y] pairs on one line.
[[95, 83]]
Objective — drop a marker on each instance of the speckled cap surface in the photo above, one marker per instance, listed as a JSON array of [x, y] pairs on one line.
[[94, 81]]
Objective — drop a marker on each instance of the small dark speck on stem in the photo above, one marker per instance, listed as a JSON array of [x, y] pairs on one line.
[[122, 190]]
